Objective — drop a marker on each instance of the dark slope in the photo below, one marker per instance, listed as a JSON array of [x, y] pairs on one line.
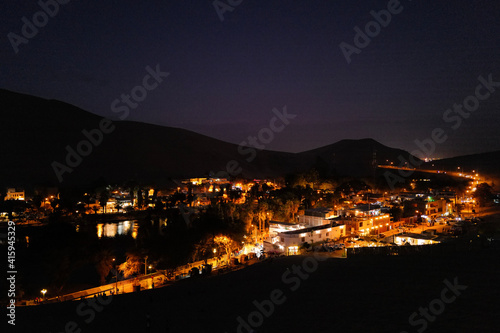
[[369, 294], [354, 157], [486, 164], [36, 133]]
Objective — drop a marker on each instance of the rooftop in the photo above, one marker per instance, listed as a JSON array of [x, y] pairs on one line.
[[319, 212], [365, 208], [283, 223], [416, 236], [319, 227]]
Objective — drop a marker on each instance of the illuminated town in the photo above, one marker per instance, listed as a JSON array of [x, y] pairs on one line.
[[258, 219], [250, 166]]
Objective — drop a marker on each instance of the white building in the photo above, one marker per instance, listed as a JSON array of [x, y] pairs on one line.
[[290, 241], [276, 228], [415, 239], [317, 216]]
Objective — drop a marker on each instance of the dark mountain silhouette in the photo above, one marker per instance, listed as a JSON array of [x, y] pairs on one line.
[[353, 157], [36, 134], [486, 164]]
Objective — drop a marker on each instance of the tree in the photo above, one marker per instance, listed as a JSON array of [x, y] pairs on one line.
[[226, 243], [266, 188], [104, 264], [304, 247], [312, 178], [203, 249], [140, 199], [483, 194], [118, 207], [103, 200], [254, 190], [81, 208], [413, 207], [235, 195], [396, 213], [54, 203], [37, 201], [132, 265]]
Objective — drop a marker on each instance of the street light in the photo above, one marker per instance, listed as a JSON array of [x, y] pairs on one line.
[[43, 291], [116, 277]]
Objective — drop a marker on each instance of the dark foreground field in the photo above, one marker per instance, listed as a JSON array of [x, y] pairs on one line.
[[374, 294]]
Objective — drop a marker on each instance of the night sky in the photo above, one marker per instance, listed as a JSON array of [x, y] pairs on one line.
[[227, 76]]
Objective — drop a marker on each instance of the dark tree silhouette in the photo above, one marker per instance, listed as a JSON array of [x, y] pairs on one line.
[[103, 199], [483, 194]]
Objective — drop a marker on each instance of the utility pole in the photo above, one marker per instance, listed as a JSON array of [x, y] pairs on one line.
[[263, 221]]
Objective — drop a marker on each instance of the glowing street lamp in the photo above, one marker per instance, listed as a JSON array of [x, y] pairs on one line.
[[116, 277], [43, 291]]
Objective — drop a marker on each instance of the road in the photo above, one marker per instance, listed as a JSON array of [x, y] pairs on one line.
[[472, 177]]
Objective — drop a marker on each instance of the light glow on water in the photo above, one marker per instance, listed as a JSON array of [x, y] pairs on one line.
[[117, 228]]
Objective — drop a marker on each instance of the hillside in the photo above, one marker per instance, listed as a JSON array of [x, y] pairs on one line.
[[353, 157], [37, 133], [486, 164]]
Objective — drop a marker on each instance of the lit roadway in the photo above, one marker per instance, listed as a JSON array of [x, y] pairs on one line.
[[451, 173]]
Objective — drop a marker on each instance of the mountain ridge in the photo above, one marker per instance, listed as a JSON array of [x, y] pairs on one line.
[[39, 133]]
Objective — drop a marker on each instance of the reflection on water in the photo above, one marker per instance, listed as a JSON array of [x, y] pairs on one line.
[[117, 228]]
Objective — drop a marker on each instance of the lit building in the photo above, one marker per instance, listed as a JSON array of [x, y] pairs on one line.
[[365, 210], [13, 194], [415, 239], [290, 241], [276, 228], [435, 208], [317, 216], [368, 225], [114, 205], [197, 181]]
